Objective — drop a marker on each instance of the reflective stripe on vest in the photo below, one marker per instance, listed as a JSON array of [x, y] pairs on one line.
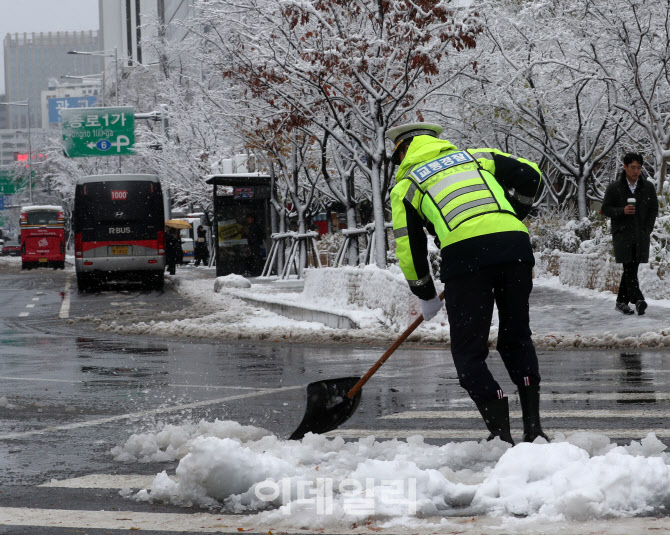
[[458, 196]]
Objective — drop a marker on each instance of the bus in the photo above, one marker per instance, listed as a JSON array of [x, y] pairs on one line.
[[118, 223], [42, 237]]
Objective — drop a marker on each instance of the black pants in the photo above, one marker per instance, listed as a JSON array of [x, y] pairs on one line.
[[469, 301], [629, 287]]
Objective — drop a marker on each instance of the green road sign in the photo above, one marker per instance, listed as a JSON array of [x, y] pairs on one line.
[[10, 181], [98, 131]]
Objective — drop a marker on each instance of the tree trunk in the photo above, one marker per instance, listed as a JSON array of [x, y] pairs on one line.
[[582, 203], [352, 254], [378, 211], [302, 227]]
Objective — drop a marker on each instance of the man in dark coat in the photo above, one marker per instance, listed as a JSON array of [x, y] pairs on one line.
[[201, 252], [632, 204], [172, 249]]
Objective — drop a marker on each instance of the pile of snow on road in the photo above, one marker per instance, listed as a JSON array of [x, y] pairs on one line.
[[231, 281], [326, 482]]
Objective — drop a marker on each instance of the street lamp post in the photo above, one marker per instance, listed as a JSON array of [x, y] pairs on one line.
[[104, 54], [26, 103]]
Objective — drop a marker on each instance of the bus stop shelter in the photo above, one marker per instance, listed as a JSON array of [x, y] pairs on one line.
[[241, 222]]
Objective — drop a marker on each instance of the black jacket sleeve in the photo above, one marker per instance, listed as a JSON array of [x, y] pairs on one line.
[[418, 244], [612, 205], [520, 178]]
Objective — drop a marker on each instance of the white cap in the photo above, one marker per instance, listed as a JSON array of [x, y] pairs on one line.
[[398, 134]]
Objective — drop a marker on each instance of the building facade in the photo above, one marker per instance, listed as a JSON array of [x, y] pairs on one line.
[[64, 96], [137, 27], [13, 146], [32, 60], [4, 113]]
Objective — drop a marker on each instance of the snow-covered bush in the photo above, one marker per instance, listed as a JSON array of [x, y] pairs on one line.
[[660, 238], [329, 245], [559, 229]]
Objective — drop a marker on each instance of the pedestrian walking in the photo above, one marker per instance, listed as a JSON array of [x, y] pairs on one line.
[[172, 249], [201, 251], [473, 202], [631, 203], [255, 236]]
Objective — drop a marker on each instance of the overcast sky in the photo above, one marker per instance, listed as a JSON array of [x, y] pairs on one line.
[[45, 16]]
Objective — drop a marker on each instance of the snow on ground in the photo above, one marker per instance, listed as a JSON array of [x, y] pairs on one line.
[[328, 483], [324, 482]]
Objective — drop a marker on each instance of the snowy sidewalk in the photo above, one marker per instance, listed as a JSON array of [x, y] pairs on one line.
[[561, 316]]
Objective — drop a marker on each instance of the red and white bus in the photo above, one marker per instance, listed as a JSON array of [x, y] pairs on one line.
[[119, 223], [42, 237]]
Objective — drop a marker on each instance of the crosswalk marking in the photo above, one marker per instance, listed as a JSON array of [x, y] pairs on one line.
[[586, 413], [619, 371], [479, 434], [583, 396], [105, 481], [607, 396], [24, 314], [127, 520], [219, 523], [167, 385]]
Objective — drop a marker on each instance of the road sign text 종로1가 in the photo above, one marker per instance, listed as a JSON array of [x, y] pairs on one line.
[[98, 131]]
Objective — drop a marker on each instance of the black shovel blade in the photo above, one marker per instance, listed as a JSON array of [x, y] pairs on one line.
[[328, 406]]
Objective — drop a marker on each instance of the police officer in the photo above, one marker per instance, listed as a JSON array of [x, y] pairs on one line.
[[473, 202]]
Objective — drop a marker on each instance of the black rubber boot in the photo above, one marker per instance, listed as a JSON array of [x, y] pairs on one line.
[[530, 412], [496, 418]]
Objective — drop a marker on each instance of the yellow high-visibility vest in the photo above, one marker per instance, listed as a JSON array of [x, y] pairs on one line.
[[455, 190]]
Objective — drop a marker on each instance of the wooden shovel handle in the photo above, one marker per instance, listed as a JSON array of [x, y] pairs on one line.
[[418, 321]]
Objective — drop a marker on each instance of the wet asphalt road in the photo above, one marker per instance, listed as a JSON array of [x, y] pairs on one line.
[[75, 393]]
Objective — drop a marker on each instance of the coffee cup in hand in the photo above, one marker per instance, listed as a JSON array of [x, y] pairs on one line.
[[631, 201]]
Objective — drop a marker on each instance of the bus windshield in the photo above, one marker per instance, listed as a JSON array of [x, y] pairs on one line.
[[135, 204], [42, 217], [128, 201]]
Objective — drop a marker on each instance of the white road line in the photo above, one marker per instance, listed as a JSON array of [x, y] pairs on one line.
[[105, 481], [586, 396], [65, 306], [614, 382], [141, 414], [650, 371], [468, 415], [124, 520], [607, 396], [219, 523], [479, 434], [74, 382], [24, 314], [32, 305], [36, 298], [69, 381]]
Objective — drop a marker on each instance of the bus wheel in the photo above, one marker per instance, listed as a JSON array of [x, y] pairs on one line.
[[154, 281], [61, 265], [159, 281], [84, 282]]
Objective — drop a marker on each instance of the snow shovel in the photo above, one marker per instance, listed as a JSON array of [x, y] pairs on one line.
[[332, 402]]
